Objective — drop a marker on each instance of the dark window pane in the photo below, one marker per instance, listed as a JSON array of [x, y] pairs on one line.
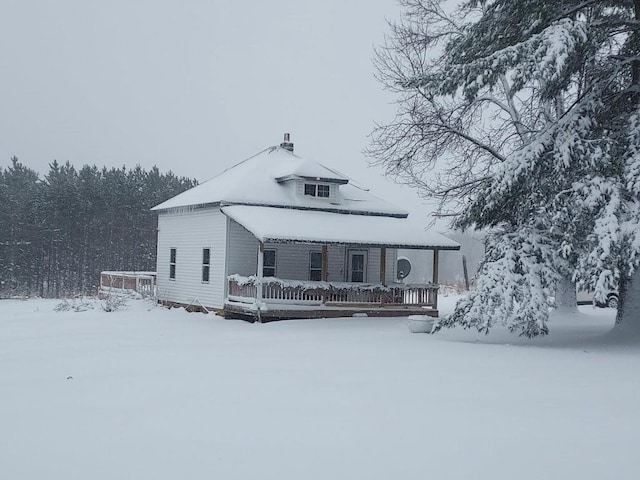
[[357, 276], [315, 266], [206, 256], [268, 272], [205, 273], [357, 262], [172, 263], [316, 260], [310, 189], [269, 259]]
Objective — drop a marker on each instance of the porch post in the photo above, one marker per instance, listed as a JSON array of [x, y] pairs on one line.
[[435, 277], [383, 265], [324, 276], [259, 274]]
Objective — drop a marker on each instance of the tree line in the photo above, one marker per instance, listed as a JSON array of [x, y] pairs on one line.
[[58, 232]]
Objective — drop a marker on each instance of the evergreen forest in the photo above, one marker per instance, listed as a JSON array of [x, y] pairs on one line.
[[58, 232]]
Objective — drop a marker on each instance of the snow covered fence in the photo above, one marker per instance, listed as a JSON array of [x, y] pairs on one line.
[[142, 282], [276, 290]]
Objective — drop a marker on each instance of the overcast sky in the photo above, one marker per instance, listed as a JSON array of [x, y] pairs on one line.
[[193, 86]]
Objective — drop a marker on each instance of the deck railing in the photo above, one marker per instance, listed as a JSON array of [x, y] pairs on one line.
[[142, 282], [278, 291]]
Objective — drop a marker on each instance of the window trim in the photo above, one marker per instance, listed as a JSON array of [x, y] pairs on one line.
[[206, 266]]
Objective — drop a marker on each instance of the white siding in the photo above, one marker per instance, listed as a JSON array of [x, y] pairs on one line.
[[243, 251], [189, 232], [373, 265], [292, 260], [373, 269], [336, 263]]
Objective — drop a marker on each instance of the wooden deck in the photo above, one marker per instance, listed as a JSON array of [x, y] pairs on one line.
[[142, 282]]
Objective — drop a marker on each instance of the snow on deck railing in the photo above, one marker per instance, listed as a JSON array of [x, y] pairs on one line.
[[277, 290], [141, 282]]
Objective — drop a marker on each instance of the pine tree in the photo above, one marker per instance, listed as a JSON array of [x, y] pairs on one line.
[[467, 110], [579, 163], [563, 180], [58, 233], [20, 232]]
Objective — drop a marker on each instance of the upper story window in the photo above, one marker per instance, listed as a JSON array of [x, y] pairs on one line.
[[315, 190], [323, 191]]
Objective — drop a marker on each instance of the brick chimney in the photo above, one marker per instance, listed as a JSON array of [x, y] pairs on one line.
[[287, 145]]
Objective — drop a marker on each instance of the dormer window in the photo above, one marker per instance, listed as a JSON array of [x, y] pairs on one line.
[[315, 190], [323, 191]]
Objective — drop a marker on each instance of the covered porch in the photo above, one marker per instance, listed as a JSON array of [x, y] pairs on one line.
[[321, 264]]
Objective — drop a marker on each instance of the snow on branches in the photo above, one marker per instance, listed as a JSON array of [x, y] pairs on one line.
[[514, 288], [530, 117]]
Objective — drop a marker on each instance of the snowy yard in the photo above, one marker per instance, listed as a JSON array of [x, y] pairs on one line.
[[153, 393]]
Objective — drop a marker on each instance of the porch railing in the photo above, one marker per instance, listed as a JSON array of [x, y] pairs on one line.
[[278, 291]]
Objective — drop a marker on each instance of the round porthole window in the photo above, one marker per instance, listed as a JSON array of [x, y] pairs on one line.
[[404, 268]]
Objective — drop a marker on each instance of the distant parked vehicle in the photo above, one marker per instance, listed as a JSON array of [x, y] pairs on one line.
[[585, 298], [611, 301]]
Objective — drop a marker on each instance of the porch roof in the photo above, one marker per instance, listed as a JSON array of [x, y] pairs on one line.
[[279, 225]]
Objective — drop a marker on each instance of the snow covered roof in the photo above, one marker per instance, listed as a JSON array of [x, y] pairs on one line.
[[262, 180], [269, 224], [311, 170]]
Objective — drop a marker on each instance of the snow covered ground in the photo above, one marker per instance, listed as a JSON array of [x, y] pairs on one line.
[[163, 394]]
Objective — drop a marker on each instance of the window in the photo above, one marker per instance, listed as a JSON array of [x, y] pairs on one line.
[[269, 263], [206, 264], [314, 190], [172, 264], [315, 266], [323, 191], [357, 266], [310, 189]]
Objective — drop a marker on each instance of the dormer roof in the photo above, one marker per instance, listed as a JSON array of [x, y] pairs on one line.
[[312, 171]]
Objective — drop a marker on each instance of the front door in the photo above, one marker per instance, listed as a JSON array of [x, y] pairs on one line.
[[357, 267]]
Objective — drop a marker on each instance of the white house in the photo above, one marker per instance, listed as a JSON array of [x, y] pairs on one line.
[[277, 236]]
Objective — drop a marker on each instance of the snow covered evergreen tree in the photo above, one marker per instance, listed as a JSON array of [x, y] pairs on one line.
[[57, 234], [464, 110], [583, 163], [558, 176], [20, 232]]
